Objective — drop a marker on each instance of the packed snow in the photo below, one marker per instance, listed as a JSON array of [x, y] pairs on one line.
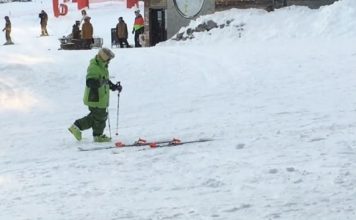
[[277, 96]]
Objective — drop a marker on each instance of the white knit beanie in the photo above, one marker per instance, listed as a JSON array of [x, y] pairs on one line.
[[106, 54]]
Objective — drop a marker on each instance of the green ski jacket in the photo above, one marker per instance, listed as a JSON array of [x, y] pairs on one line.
[[97, 92]]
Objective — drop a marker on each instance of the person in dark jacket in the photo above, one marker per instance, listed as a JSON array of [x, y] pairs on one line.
[[7, 30], [76, 36], [76, 31], [96, 97], [121, 32], [44, 19]]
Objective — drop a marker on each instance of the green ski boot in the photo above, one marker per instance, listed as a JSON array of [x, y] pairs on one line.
[[76, 132], [102, 138]]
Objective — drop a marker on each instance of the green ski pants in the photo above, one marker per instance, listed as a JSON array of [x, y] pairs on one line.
[[96, 120]]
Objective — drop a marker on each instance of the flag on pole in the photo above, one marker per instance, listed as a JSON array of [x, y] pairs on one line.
[[82, 4], [55, 8], [131, 3]]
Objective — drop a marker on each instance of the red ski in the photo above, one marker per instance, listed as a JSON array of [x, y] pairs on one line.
[[142, 142]]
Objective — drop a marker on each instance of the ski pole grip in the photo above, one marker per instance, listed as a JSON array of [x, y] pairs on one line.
[[118, 85]]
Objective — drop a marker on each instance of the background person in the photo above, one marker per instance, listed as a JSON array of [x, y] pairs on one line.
[[121, 32], [7, 30], [87, 33], [44, 20], [138, 27]]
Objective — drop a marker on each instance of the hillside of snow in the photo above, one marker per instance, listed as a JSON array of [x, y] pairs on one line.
[[277, 97]]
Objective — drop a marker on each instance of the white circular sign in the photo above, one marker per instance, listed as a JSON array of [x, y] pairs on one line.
[[189, 8]]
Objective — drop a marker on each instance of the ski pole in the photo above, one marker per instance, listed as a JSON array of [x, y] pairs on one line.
[[117, 114], [109, 122]]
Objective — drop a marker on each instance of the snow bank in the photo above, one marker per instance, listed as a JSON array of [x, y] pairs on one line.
[[279, 102], [295, 22]]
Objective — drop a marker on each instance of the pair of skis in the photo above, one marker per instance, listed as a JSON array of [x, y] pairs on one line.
[[142, 142]]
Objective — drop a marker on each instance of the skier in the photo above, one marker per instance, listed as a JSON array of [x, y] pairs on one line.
[[44, 19], [87, 33], [121, 32], [7, 30], [96, 97], [138, 27]]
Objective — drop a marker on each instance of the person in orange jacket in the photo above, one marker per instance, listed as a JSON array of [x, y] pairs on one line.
[[138, 27], [87, 33]]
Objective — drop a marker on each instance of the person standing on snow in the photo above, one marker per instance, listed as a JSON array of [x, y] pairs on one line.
[[87, 33], [121, 32], [138, 28], [76, 31], [7, 30], [96, 97], [44, 19]]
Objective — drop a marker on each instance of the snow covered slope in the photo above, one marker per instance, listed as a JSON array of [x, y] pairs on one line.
[[279, 102]]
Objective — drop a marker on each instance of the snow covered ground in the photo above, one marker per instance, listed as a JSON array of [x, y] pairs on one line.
[[279, 102]]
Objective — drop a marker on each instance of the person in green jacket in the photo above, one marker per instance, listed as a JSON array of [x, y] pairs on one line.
[[96, 97]]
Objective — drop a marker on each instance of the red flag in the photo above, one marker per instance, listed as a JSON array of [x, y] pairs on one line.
[[131, 3], [82, 4], [55, 8]]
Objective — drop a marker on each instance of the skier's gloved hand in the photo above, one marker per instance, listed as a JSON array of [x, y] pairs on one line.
[[118, 87], [133, 31], [115, 87]]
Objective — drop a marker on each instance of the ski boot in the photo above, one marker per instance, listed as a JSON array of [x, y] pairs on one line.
[[8, 43], [102, 138], [76, 132]]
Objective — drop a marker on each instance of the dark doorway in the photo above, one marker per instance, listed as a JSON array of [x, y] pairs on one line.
[[158, 32]]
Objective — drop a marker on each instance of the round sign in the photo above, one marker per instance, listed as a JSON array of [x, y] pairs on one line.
[[189, 8]]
